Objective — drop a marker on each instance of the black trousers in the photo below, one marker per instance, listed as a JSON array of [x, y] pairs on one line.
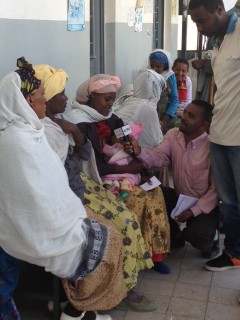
[[199, 231]]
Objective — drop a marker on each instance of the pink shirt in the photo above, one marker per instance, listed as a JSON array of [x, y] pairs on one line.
[[191, 167]]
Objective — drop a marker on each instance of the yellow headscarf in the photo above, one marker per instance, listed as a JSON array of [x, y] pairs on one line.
[[53, 80]]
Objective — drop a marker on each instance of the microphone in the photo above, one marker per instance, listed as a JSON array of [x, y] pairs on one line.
[[123, 132]]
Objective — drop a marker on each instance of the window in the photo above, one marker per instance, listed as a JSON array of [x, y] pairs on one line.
[[158, 21]]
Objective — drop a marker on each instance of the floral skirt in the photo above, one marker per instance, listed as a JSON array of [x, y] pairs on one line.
[[135, 254], [151, 211]]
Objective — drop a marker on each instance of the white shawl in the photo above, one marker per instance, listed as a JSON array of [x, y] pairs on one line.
[[57, 139], [83, 113], [141, 106], [60, 142], [40, 217]]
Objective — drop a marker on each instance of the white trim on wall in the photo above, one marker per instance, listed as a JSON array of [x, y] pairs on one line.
[[55, 10]]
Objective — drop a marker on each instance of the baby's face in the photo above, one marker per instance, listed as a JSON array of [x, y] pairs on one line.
[[114, 139]]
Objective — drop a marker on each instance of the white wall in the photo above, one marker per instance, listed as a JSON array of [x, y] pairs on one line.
[[38, 30], [55, 10], [126, 50]]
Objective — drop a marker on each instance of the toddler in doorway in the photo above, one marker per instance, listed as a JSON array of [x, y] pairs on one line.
[[184, 85]]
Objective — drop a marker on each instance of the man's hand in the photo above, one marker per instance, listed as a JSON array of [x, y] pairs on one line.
[[198, 64], [133, 146], [184, 216]]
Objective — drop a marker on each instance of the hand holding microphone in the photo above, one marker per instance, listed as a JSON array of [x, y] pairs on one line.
[[123, 132], [132, 146]]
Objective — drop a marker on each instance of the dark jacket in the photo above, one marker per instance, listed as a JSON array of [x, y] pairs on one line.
[[90, 131]]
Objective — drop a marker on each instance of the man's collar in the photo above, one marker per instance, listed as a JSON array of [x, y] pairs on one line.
[[193, 143], [230, 28], [232, 23]]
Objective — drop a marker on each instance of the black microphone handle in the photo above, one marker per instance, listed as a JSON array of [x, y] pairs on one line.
[[127, 139], [120, 124]]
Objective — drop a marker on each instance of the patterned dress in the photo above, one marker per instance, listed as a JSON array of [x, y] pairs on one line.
[[135, 254], [151, 211]]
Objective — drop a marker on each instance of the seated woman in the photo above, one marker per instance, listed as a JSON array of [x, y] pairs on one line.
[[184, 85], [42, 221], [159, 60], [69, 143], [140, 106], [92, 112]]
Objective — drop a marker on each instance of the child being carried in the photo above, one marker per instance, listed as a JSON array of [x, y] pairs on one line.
[[120, 184]]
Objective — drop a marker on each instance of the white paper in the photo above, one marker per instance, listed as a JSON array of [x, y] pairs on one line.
[[138, 19], [184, 203], [155, 183]]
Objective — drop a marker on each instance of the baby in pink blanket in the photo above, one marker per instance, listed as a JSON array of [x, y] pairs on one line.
[[121, 183]]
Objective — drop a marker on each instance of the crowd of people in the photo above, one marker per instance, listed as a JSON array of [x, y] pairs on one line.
[[71, 196]]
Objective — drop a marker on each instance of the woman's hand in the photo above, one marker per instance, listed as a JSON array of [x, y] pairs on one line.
[[135, 166], [69, 127], [164, 121], [132, 146]]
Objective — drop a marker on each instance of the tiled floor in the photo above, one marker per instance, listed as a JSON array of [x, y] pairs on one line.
[[188, 293]]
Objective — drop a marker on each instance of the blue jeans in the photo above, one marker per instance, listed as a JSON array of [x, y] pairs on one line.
[[225, 161]]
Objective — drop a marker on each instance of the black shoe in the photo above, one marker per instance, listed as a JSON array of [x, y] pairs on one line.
[[161, 267], [221, 263], [213, 251], [178, 241]]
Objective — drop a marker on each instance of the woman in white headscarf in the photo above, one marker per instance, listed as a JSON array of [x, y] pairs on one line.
[[140, 106], [42, 221]]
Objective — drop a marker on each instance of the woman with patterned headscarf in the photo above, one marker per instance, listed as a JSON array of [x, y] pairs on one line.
[[159, 60], [71, 147], [92, 111], [42, 221]]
